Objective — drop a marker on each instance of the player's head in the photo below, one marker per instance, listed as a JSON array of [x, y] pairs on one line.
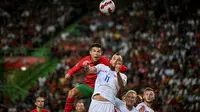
[[39, 102], [95, 52], [148, 95], [130, 98], [138, 100], [123, 97], [116, 60], [80, 107]]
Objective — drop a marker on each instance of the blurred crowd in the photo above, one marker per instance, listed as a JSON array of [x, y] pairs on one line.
[[32, 23], [160, 46]]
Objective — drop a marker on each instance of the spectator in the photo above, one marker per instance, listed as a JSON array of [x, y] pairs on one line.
[[128, 105], [39, 103], [148, 96], [80, 106]]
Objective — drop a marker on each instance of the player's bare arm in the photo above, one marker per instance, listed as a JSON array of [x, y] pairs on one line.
[[89, 69], [120, 81], [119, 78]]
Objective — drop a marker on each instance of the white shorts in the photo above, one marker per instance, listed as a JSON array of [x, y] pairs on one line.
[[101, 106]]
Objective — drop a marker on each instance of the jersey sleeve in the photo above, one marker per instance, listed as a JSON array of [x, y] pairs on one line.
[[123, 68], [118, 103], [77, 67], [139, 106]]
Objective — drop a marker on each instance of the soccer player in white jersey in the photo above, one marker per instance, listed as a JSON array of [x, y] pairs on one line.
[[109, 81], [130, 100], [148, 96]]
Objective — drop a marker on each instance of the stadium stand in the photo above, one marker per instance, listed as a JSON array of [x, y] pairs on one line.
[[160, 40]]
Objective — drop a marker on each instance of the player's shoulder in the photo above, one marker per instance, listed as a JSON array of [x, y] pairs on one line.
[[34, 110], [86, 58], [118, 101], [140, 105], [102, 65], [104, 58], [45, 110]]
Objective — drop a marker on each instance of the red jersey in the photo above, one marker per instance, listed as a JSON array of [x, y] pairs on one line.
[[90, 78], [43, 110]]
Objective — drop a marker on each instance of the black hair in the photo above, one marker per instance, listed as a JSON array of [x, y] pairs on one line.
[[117, 53], [95, 45]]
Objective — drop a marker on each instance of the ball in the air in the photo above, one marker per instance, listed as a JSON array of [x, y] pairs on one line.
[[107, 7]]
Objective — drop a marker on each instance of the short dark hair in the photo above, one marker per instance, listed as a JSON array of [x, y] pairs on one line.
[[117, 53], [139, 99], [95, 45]]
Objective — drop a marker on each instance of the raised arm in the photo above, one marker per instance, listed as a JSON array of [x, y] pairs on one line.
[[121, 82], [75, 68]]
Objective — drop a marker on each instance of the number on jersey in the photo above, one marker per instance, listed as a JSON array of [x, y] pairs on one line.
[[107, 78]]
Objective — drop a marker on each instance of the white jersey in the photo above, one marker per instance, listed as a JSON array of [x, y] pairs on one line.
[[101, 106], [121, 106], [106, 83], [147, 109]]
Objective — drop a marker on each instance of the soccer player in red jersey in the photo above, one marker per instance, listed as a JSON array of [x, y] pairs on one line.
[[86, 89], [39, 105]]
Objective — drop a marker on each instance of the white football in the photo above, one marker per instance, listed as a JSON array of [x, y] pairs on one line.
[[107, 7]]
